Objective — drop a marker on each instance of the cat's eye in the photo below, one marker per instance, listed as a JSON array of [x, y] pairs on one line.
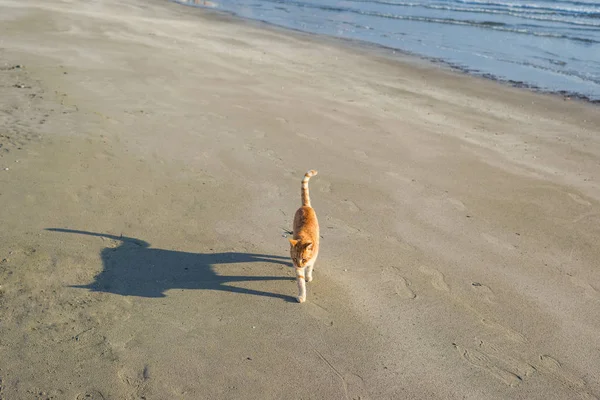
[[304, 260]]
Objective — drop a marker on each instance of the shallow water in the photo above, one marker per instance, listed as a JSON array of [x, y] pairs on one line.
[[545, 44]]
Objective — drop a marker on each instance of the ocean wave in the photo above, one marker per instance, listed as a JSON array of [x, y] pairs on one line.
[[584, 77], [589, 18], [574, 7], [485, 24], [482, 24], [495, 25], [506, 5], [553, 8]]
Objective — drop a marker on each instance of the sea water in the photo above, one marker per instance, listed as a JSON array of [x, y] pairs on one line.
[[549, 45]]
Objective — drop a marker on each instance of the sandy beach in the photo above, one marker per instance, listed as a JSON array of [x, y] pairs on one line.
[[150, 164]]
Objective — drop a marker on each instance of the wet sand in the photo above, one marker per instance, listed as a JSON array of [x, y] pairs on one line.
[[150, 165]]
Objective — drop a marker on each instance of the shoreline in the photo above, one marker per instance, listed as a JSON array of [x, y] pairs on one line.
[[396, 52]]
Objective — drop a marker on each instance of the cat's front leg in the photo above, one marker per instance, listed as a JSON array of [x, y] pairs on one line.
[[301, 285], [309, 269]]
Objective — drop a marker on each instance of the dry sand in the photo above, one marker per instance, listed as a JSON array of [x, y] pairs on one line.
[[163, 147]]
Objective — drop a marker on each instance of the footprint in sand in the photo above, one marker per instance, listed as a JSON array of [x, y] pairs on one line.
[[91, 395], [324, 186], [291, 173], [553, 367], [459, 205], [401, 287], [351, 206], [272, 156], [318, 312], [520, 368], [483, 291], [271, 190], [401, 244], [104, 155], [506, 331], [585, 216], [396, 175], [353, 385], [490, 364], [361, 154], [589, 290], [338, 226], [578, 199], [241, 107], [437, 278], [265, 153], [136, 379], [497, 242], [307, 137], [258, 134], [356, 387]]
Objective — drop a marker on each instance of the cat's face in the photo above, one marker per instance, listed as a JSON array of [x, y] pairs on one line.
[[301, 252]]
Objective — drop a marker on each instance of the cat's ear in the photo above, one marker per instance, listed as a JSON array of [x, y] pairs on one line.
[[293, 242], [308, 245]]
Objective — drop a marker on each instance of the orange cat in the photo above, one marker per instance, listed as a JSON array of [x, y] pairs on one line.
[[304, 246]]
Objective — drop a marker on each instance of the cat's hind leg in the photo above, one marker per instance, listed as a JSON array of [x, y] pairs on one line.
[[301, 285]]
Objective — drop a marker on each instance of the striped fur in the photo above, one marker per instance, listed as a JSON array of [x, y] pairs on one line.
[[304, 191], [304, 245]]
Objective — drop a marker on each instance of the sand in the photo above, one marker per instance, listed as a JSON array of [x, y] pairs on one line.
[[150, 165]]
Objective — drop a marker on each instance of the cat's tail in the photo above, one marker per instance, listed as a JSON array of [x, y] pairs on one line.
[[305, 196]]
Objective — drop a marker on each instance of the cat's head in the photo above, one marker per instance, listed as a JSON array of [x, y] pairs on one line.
[[301, 252]]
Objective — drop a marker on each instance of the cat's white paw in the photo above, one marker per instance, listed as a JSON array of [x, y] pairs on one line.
[[301, 299], [309, 279]]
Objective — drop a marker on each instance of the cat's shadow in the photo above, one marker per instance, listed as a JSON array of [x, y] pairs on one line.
[[133, 268]]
